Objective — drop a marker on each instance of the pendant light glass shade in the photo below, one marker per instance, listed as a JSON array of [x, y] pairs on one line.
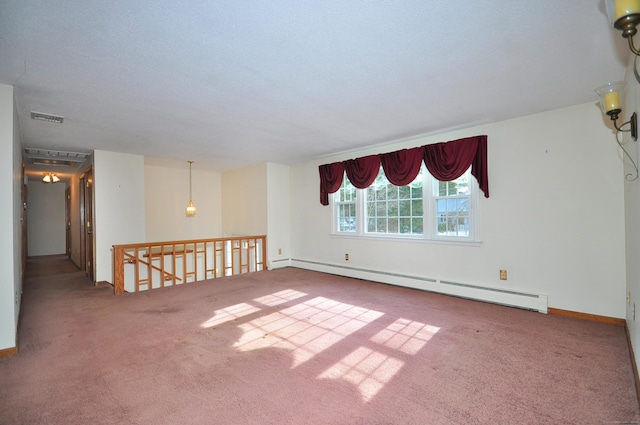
[[610, 95], [191, 209], [50, 178]]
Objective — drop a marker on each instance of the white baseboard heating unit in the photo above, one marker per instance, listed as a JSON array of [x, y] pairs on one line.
[[512, 298]]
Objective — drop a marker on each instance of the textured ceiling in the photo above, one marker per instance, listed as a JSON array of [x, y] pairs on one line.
[[231, 83]]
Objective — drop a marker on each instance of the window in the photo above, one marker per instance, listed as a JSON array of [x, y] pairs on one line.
[[394, 209], [452, 207], [425, 209], [345, 207]]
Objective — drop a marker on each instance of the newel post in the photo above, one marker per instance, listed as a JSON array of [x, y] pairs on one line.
[[118, 269]]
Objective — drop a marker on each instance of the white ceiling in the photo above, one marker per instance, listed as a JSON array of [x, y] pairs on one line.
[[231, 83]]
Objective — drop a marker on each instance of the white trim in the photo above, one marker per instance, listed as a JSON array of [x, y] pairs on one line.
[[513, 298], [429, 229], [279, 264]]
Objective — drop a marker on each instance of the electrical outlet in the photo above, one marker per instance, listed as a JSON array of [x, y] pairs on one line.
[[628, 298], [503, 274], [346, 257], [279, 251]]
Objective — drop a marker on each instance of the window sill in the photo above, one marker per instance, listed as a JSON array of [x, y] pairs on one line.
[[397, 238]]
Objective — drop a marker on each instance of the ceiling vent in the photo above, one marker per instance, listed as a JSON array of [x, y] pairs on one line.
[[47, 117]]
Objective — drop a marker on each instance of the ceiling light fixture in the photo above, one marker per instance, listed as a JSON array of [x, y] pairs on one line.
[[50, 178], [611, 103], [191, 209]]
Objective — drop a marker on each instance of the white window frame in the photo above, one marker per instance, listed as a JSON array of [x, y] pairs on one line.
[[429, 216]]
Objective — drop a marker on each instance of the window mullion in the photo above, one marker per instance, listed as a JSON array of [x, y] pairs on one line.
[[428, 212], [361, 199]]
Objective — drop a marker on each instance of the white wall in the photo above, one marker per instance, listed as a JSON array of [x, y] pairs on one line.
[[166, 184], [555, 218], [256, 201], [244, 201], [10, 219], [278, 213], [119, 206], [632, 215], [46, 218]]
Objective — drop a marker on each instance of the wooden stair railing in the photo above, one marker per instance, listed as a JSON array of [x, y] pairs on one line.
[[143, 266]]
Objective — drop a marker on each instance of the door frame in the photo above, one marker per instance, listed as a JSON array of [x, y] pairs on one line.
[[87, 236]]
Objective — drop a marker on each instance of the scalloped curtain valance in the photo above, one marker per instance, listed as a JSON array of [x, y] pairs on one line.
[[445, 161]]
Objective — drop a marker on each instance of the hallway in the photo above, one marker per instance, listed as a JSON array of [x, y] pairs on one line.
[[48, 265]]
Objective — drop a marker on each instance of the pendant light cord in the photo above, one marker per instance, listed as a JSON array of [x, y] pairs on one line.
[[190, 195]]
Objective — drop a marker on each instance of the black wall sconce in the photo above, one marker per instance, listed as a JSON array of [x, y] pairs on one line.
[[611, 103]]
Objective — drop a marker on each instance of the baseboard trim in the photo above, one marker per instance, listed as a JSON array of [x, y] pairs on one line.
[[502, 296], [634, 365], [8, 352], [589, 317]]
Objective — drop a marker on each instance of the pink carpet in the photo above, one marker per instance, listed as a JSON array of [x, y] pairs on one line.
[[298, 347]]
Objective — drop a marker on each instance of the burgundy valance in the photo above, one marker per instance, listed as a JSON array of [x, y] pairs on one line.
[[403, 166], [448, 161], [330, 180], [445, 161], [361, 172]]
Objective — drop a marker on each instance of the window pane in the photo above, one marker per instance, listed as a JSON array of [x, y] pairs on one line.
[[392, 209], [416, 207], [405, 225], [345, 204], [371, 209], [416, 225], [442, 188], [392, 192], [416, 189], [346, 218], [405, 208], [452, 207]]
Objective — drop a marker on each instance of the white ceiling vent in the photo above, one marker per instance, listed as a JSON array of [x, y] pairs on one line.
[[46, 117]]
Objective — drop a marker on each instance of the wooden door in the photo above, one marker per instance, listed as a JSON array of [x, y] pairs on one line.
[[88, 210], [23, 219], [83, 231], [67, 220], [86, 224]]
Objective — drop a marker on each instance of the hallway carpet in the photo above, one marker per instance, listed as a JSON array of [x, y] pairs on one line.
[[297, 347]]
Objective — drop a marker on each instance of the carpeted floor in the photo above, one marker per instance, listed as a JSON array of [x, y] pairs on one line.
[[298, 347]]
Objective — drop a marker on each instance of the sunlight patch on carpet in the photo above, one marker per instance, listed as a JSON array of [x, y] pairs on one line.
[[243, 309], [405, 335], [307, 328], [229, 313], [280, 297], [367, 369]]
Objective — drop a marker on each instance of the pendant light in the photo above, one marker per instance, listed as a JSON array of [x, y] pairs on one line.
[[191, 209], [50, 178]]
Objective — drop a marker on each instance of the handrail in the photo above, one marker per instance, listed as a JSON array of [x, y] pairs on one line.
[[148, 265]]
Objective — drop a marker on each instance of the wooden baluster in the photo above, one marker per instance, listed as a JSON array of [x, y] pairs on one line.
[[118, 270]]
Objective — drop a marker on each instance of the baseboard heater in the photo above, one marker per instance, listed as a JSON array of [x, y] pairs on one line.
[[512, 298]]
